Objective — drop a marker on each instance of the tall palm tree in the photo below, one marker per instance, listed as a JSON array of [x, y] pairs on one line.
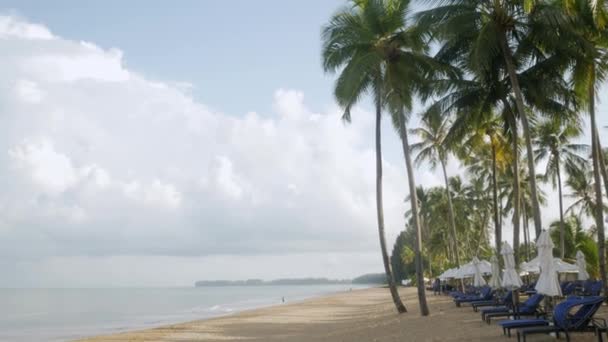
[[479, 33], [422, 197], [552, 139], [487, 155], [589, 70], [356, 42], [432, 148]]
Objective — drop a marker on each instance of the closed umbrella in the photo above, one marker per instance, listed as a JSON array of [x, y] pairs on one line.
[[547, 283], [477, 277], [510, 278], [496, 280], [582, 266]]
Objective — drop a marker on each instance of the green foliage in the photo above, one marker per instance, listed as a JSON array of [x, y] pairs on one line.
[[577, 239]]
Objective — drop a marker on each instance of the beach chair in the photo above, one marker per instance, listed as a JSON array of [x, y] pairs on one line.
[[469, 291], [528, 289], [485, 295], [594, 289], [506, 300], [569, 288], [531, 307], [572, 315], [508, 325]]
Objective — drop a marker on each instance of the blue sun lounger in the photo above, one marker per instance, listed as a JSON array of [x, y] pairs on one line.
[[506, 300], [529, 308], [565, 321], [486, 294]]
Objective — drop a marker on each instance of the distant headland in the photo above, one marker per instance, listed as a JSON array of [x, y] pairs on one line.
[[364, 279]]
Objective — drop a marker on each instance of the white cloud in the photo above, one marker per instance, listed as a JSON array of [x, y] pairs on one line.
[[15, 28], [89, 62], [226, 179], [28, 91], [49, 169], [98, 161]]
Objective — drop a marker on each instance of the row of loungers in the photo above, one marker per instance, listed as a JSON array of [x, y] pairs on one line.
[[574, 314]]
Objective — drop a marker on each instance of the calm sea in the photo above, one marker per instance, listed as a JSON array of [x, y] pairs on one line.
[[66, 314]]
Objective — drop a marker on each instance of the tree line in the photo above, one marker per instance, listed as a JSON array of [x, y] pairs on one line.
[[506, 88]]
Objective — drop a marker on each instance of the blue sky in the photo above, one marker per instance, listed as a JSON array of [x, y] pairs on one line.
[[235, 53]]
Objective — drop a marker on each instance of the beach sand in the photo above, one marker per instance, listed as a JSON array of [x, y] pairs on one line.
[[359, 315]]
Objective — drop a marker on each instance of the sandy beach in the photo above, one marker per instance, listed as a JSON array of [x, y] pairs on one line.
[[360, 315]]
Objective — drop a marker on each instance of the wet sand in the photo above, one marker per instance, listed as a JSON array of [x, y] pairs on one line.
[[360, 315]]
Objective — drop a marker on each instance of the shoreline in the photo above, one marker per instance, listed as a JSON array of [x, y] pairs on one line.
[[228, 309], [358, 315]]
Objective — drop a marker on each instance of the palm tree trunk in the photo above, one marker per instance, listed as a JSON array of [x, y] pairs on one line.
[[562, 224], [516, 200], [599, 208], [519, 102], [380, 210], [602, 161], [428, 249], [424, 309], [450, 213], [497, 227], [526, 233]]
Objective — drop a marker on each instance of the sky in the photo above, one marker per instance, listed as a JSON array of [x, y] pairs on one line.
[[149, 144]]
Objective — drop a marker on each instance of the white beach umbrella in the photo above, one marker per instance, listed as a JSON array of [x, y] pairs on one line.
[[547, 283], [477, 277], [496, 280], [447, 274], [533, 266], [582, 266], [469, 269], [510, 278]]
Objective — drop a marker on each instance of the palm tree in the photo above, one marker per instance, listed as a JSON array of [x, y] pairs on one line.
[[582, 188], [486, 153], [357, 42], [432, 148], [422, 197], [552, 139], [590, 66], [482, 36]]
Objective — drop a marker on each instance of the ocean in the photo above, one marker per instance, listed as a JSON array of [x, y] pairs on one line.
[[67, 314]]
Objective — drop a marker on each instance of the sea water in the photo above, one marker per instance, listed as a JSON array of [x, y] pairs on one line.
[[67, 314]]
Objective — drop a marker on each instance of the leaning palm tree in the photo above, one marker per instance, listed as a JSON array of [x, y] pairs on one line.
[[356, 42], [432, 148], [552, 139]]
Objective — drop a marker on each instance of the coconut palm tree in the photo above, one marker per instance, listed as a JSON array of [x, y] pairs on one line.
[[482, 35], [357, 43], [376, 51], [432, 148], [582, 192], [589, 70], [486, 153], [552, 139]]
